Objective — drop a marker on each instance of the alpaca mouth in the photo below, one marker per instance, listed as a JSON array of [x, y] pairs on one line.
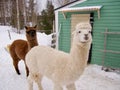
[[32, 35], [86, 38], [32, 39]]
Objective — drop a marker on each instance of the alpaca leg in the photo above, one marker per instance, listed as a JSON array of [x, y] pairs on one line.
[[27, 70], [71, 87], [15, 60], [15, 63], [39, 85], [38, 79], [30, 82], [57, 87]]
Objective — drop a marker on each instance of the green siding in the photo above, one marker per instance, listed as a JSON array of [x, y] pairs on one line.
[[110, 19], [64, 39]]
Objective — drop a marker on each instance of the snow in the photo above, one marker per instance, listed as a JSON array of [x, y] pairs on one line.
[[86, 8], [93, 77]]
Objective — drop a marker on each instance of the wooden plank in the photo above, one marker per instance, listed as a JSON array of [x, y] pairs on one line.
[[111, 32], [110, 51]]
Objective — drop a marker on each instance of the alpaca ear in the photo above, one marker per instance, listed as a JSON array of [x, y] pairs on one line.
[[26, 27], [35, 26], [73, 32]]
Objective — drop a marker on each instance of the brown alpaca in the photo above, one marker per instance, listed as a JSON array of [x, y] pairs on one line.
[[19, 48]]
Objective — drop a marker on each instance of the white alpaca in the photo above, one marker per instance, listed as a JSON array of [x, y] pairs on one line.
[[62, 68]]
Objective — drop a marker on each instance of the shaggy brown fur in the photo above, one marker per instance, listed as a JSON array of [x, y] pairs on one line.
[[19, 48]]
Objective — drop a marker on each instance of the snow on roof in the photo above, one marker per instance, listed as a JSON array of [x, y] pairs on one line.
[[87, 8], [78, 9]]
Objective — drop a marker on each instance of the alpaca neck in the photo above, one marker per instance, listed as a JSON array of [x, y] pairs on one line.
[[32, 43], [79, 53]]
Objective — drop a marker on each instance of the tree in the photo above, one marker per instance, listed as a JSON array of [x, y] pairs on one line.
[[58, 3], [24, 12], [17, 12], [5, 12], [47, 18], [31, 11], [18, 17]]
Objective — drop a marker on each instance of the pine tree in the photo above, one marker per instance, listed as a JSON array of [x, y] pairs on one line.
[[47, 17]]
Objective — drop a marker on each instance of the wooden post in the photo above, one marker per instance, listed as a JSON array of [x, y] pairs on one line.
[[9, 35], [98, 14], [105, 39]]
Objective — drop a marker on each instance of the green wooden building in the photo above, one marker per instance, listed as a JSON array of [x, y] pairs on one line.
[[104, 16]]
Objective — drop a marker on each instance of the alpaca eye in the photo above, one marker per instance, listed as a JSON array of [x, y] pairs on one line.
[[79, 32]]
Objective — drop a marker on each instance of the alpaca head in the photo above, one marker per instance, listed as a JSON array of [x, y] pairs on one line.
[[31, 32], [83, 33]]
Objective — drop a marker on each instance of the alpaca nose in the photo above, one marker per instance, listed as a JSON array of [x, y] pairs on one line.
[[32, 33], [86, 35]]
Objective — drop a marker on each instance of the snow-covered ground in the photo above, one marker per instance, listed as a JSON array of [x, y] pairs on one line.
[[93, 78]]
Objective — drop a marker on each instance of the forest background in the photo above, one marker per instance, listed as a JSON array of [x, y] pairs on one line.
[[18, 13]]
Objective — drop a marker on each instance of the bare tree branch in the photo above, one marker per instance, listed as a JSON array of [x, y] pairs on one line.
[[58, 3]]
